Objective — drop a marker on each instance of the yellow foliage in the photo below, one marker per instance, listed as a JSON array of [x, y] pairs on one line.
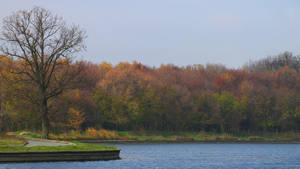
[[101, 134], [76, 118], [53, 136], [105, 66], [76, 94], [227, 76], [91, 132]]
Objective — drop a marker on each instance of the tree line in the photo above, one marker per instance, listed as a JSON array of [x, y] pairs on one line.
[[133, 96], [42, 88]]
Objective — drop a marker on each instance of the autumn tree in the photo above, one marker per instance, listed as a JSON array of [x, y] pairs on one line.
[[75, 118], [45, 46]]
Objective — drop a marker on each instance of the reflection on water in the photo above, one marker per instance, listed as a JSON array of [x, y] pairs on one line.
[[188, 156]]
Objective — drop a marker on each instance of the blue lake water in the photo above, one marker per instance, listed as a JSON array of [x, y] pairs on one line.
[[169, 156]]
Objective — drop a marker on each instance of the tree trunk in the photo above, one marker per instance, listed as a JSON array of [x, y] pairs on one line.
[[45, 119]]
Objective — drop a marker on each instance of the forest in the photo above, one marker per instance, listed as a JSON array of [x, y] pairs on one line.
[[261, 96]]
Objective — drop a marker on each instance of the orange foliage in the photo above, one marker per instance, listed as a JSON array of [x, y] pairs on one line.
[[76, 118], [101, 134]]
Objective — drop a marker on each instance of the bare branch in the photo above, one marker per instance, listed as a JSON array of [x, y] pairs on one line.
[[44, 46]]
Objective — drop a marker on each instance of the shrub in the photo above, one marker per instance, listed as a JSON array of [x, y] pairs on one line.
[[101, 134], [91, 132], [226, 137]]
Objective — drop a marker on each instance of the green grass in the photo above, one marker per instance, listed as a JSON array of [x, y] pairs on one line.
[[11, 141], [178, 136], [27, 134], [209, 136], [77, 147]]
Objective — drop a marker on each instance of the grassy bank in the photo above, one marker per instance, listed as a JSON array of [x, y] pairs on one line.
[[6, 140], [10, 143], [77, 147], [210, 137], [92, 134]]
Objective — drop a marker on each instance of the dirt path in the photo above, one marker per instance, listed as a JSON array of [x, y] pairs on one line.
[[37, 142]]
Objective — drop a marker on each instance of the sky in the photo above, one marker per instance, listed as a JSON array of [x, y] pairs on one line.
[[179, 32]]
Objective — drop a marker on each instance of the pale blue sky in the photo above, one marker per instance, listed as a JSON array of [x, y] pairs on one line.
[[181, 32]]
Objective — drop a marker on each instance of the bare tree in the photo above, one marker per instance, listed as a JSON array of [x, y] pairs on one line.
[[273, 63], [45, 47]]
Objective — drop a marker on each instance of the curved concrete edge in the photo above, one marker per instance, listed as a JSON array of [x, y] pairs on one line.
[[59, 156]]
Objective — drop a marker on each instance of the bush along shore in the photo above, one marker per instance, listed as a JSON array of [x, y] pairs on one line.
[[161, 136]]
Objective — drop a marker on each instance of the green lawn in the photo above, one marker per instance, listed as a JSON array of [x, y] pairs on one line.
[[26, 134], [11, 141], [77, 147]]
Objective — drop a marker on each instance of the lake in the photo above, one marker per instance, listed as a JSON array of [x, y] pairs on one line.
[[187, 155]]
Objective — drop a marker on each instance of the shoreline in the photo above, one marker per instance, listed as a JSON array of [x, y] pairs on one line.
[[130, 137], [44, 150], [178, 142]]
